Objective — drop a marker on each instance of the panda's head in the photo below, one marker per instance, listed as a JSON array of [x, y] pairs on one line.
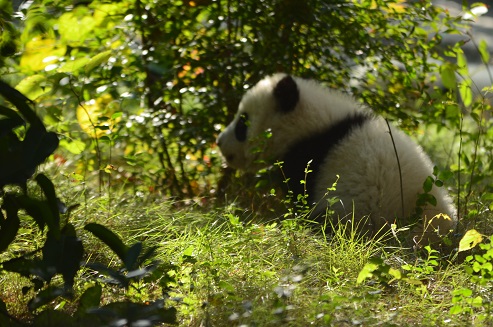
[[266, 124]]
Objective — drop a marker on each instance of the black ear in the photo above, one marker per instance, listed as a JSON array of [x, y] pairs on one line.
[[287, 94]]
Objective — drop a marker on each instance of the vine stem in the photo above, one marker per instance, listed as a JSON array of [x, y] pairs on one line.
[[398, 166]]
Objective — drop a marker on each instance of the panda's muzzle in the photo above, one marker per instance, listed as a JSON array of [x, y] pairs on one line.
[[220, 143]]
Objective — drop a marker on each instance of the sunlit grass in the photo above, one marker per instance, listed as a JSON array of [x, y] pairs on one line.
[[225, 271]]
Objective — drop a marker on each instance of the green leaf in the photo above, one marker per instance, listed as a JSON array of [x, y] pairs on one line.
[[428, 184], [109, 238], [91, 298], [396, 273], [116, 275], [148, 314], [456, 309], [33, 86], [74, 146], [462, 292], [483, 50], [132, 256], [438, 183], [189, 251], [37, 146], [462, 64], [21, 266], [52, 200], [229, 288], [447, 73], [97, 61], [76, 26], [74, 65], [470, 240], [65, 254], [45, 296], [466, 92], [487, 266], [12, 117], [477, 301], [37, 209], [367, 271], [234, 220], [116, 115], [426, 198], [21, 103], [51, 317]]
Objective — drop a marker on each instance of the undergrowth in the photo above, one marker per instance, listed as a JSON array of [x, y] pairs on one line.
[[217, 269]]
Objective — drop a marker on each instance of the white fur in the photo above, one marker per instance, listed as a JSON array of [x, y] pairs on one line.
[[365, 160]]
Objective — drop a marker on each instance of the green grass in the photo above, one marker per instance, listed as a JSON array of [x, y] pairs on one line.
[[221, 270]]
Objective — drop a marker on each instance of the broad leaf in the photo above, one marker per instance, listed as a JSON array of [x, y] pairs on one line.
[[52, 201], [447, 73], [33, 86], [45, 296], [483, 50], [132, 255], [470, 240], [11, 120], [466, 92], [150, 314], [109, 238], [21, 103], [91, 298]]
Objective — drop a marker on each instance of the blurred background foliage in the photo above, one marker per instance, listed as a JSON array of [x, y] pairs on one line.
[[137, 90]]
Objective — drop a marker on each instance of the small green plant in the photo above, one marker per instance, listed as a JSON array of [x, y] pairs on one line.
[[381, 271], [475, 299], [425, 198], [414, 275], [423, 267], [299, 206]]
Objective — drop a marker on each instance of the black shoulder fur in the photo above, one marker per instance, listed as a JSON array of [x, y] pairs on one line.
[[316, 148]]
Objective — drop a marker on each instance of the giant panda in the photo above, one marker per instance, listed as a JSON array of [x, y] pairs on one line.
[[302, 124]]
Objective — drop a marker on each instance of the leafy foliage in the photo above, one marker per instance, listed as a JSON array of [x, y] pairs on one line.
[[469, 300], [145, 85], [26, 154], [62, 252]]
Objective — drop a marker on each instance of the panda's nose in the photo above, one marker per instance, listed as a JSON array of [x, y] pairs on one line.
[[230, 157]]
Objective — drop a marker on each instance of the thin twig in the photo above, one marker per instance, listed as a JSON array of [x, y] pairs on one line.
[[95, 136]]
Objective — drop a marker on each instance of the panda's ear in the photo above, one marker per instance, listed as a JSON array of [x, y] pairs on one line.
[[287, 94]]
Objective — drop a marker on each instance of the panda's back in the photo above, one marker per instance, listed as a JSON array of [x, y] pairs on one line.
[[370, 178]]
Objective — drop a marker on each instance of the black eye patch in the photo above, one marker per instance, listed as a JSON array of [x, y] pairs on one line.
[[242, 127]]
